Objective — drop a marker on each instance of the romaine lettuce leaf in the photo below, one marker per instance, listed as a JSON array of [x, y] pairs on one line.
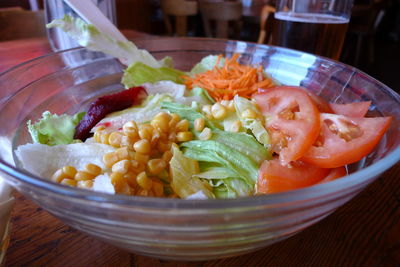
[[90, 37], [52, 129]]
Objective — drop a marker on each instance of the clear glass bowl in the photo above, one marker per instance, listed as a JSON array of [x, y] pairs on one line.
[[186, 229]]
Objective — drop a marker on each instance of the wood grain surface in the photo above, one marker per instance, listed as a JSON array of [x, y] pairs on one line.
[[363, 232]]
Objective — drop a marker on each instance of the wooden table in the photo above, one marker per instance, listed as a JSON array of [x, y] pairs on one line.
[[364, 232]]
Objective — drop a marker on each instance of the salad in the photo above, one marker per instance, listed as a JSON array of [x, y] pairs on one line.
[[222, 130]]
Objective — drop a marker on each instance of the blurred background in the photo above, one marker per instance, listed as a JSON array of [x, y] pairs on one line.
[[372, 42]]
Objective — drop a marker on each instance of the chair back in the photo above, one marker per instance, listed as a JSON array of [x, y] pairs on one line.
[[180, 10], [266, 24], [221, 13], [17, 23]]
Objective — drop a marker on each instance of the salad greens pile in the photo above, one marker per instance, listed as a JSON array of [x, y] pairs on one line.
[[223, 166]]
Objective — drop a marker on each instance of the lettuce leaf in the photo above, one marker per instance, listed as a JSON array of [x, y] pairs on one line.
[[207, 63], [90, 37], [52, 129], [183, 180], [139, 73]]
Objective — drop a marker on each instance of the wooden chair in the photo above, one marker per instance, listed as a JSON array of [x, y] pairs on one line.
[[17, 23], [220, 14], [180, 9], [266, 24]]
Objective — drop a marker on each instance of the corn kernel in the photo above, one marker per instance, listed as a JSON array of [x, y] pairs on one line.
[[249, 114], [69, 171], [130, 129], [85, 184], [121, 166], [235, 127], [218, 111], [109, 159], [115, 138], [146, 131], [143, 181], [182, 126], [158, 189], [142, 146], [161, 121], [184, 136], [199, 124], [130, 178], [92, 169], [104, 138], [207, 110], [118, 181], [163, 146], [205, 134], [122, 153], [83, 175], [155, 166], [58, 176], [175, 118], [96, 136], [69, 182], [172, 137], [141, 158], [167, 156]]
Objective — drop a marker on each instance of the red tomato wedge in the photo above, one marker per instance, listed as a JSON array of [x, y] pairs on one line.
[[356, 109], [273, 177], [292, 119], [345, 140], [334, 174]]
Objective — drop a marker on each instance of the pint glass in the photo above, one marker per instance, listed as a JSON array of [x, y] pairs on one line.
[[314, 26]]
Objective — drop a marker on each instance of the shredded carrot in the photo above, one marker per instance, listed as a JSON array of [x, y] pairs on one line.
[[233, 78]]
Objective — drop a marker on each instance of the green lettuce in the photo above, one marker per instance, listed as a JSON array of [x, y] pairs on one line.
[[139, 73], [207, 63], [52, 129], [90, 37]]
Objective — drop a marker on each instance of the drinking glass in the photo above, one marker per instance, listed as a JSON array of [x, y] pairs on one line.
[[314, 26]]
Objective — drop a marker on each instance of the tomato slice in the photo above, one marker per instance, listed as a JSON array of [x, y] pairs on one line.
[[334, 174], [345, 140], [356, 109], [292, 119], [273, 177]]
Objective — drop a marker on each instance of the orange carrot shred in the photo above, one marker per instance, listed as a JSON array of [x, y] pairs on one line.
[[223, 83]]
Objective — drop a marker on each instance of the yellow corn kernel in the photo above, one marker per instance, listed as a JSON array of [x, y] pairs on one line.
[[58, 176], [143, 192], [249, 114], [115, 138], [83, 175], [206, 110], [158, 189], [144, 181], [235, 127], [146, 131], [182, 126], [156, 136], [92, 169], [130, 129], [121, 166], [205, 134], [142, 146], [155, 166], [122, 153], [96, 136], [184, 136], [127, 141], [172, 137], [199, 124], [118, 181], [104, 138], [130, 178], [167, 156], [69, 182], [218, 111], [231, 106], [141, 158], [109, 159], [175, 118], [163, 146], [69, 171], [161, 121], [85, 184]]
